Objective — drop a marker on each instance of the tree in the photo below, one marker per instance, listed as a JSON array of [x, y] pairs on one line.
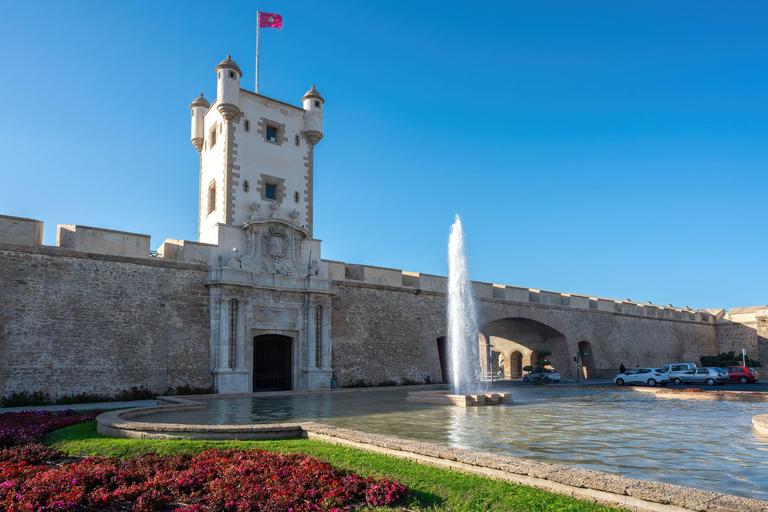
[[538, 374], [726, 359]]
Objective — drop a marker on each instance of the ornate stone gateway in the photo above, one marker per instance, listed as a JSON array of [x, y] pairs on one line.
[[278, 296], [272, 362]]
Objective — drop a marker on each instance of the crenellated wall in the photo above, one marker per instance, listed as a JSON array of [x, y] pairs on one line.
[[386, 324], [340, 271], [101, 313], [74, 321]]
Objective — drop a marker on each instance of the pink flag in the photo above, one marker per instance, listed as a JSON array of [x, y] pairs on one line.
[[269, 20]]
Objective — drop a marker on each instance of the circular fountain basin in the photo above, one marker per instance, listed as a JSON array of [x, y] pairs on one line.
[[610, 430]]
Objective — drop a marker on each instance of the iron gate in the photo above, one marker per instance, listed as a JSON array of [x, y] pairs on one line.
[[272, 362]]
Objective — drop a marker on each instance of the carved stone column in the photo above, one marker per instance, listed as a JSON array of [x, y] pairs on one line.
[[311, 337], [223, 359], [325, 341], [244, 333]]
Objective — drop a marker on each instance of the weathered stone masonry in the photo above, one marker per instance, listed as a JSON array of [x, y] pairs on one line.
[[383, 332], [74, 322]]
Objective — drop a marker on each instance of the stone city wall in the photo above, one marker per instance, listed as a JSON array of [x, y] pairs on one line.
[[745, 328], [75, 322], [386, 323]]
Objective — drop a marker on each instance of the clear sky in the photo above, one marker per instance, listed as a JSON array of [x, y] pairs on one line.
[[614, 149]]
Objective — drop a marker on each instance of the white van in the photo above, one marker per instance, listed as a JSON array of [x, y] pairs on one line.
[[676, 370]]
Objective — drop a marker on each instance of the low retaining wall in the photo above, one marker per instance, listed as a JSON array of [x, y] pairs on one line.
[[582, 484], [744, 396]]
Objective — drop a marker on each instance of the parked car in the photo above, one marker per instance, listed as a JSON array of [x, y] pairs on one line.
[[548, 372], [650, 376], [742, 374], [675, 370], [711, 375]]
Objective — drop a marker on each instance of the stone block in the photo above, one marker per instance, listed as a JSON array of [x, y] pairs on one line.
[[517, 294], [102, 241], [336, 270], [353, 272], [606, 305], [432, 283], [186, 251], [579, 301], [550, 298], [411, 279], [20, 231], [383, 276], [482, 290]]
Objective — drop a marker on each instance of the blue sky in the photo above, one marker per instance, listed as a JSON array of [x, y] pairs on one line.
[[615, 149]]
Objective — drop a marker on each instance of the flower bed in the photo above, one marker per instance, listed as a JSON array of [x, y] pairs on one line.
[[18, 428], [25, 398], [232, 480], [38, 478]]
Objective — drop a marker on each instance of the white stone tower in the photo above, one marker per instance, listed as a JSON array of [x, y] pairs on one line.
[[268, 283]]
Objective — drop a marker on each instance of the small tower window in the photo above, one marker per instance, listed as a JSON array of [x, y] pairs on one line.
[[295, 197], [271, 134], [247, 125], [231, 74], [270, 191], [212, 197], [246, 186], [212, 137], [298, 140], [317, 104]]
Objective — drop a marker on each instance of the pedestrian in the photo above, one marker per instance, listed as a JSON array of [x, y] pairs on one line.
[[622, 368]]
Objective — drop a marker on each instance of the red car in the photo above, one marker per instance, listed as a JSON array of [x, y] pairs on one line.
[[742, 374]]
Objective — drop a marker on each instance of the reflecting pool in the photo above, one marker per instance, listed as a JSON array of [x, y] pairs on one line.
[[696, 443]]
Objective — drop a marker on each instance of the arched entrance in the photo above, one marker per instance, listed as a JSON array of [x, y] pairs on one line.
[[524, 339], [272, 358], [442, 354], [587, 360]]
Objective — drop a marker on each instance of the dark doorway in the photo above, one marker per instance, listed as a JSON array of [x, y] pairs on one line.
[[442, 353], [272, 362]]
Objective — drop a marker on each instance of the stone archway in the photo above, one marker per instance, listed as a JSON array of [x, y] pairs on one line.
[[587, 360], [525, 338], [442, 354]]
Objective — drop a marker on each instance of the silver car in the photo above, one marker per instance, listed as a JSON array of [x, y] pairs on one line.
[[675, 370], [710, 375]]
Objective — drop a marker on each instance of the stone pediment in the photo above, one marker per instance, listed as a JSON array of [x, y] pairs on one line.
[[274, 247]]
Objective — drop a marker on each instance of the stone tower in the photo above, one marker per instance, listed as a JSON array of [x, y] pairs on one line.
[[268, 286]]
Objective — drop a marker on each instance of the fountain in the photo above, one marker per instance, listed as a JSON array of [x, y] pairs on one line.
[[463, 347]]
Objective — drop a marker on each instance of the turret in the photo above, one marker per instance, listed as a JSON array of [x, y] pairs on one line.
[[228, 88], [198, 107], [313, 115]]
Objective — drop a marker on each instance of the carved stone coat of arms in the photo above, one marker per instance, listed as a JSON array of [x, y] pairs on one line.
[[274, 247]]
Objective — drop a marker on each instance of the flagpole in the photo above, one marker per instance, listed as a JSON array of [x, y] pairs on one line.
[[258, 22]]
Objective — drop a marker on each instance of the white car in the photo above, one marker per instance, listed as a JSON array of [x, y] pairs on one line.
[[548, 372], [650, 376]]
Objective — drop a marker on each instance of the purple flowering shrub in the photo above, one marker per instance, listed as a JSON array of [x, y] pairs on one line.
[[18, 428]]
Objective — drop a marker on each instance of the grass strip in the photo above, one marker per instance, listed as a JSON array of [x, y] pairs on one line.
[[431, 488]]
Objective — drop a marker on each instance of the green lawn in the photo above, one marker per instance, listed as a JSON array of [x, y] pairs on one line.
[[431, 488]]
